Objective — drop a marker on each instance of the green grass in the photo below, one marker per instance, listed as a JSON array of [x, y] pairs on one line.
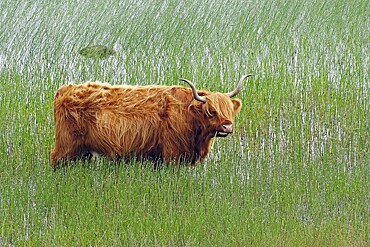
[[295, 172]]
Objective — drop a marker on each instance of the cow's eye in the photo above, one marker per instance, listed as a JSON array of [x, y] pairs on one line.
[[211, 114]]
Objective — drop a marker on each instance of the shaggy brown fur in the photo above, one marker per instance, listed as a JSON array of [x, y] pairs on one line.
[[153, 122]]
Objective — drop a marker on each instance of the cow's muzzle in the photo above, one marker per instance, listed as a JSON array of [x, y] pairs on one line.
[[224, 129]]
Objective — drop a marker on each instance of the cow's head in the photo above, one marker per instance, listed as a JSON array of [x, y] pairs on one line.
[[217, 110]]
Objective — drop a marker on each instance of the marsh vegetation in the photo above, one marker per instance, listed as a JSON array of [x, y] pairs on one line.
[[295, 172]]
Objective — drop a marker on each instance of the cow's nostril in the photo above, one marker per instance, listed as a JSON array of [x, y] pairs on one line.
[[227, 127]]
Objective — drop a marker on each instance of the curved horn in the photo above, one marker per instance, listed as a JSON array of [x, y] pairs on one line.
[[239, 86], [196, 96]]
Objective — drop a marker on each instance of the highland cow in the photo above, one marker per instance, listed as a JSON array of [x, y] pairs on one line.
[[159, 123]]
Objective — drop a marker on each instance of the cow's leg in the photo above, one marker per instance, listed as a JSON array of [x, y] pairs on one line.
[[175, 156], [67, 148], [62, 155]]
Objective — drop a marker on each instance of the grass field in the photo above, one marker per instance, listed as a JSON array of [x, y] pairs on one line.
[[295, 172]]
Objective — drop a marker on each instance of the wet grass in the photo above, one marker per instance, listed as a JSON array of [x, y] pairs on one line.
[[295, 172]]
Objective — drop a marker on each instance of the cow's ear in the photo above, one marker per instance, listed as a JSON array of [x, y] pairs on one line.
[[237, 105]]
